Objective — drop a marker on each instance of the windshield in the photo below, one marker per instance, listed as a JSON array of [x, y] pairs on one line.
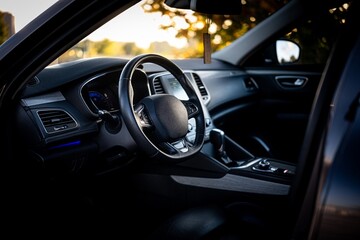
[[149, 26]]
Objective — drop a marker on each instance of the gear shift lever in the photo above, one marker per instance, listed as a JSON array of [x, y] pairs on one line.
[[217, 138]]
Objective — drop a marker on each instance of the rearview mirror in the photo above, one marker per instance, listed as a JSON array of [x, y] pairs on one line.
[[287, 51], [219, 7]]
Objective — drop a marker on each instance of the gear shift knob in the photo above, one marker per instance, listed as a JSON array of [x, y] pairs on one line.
[[217, 138]]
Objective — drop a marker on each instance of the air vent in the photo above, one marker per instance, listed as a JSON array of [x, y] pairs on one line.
[[202, 89], [56, 120], [200, 85], [250, 84], [32, 82], [158, 87]]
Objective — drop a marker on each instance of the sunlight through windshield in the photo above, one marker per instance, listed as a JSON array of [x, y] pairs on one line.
[[148, 26]]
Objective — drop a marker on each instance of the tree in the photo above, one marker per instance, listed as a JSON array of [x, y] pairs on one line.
[[223, 28]]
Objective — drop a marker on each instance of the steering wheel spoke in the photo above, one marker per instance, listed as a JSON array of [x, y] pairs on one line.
[[142, 116], [191, 108], [181, 146]]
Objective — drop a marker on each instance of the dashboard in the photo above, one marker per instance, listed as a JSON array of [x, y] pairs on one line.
[[101, 92], [59, 108]]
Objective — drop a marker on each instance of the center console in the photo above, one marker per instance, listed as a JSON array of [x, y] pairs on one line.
[[219, 148], [239, 161]]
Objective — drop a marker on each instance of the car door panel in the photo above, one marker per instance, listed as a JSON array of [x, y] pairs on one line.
[[272, 124]]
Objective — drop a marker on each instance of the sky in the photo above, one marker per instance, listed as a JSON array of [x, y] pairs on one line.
[[142, 31]]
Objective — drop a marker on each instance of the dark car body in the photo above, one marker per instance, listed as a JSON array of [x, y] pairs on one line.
[[69, 168]]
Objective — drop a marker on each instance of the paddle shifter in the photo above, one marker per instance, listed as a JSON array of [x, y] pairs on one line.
[[217, 138]]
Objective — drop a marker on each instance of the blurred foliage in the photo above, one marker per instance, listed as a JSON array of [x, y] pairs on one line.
[[87, 49], [315, 36], [222, 28], [188, 25]]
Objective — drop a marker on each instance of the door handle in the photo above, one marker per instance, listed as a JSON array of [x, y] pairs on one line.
[[291, 81]]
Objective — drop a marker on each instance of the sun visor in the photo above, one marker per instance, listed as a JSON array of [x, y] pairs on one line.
[[217, 7]]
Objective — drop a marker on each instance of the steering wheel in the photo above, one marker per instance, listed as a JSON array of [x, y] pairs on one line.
[[159, 123]]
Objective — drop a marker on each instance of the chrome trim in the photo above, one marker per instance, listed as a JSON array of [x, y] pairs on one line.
[[294, 86], [270, 170], [192, 81], [94, 78], [83, 85], [262, 143], [248, 164], [180, 145], [56, 109]]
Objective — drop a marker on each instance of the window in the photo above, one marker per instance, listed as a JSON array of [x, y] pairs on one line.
[[174, 34], [315, 37], [151, 26]]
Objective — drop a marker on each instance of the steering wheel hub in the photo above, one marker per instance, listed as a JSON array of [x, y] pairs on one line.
[[167, 115]]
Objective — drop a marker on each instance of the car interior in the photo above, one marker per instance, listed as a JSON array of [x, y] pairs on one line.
[[230, 146]]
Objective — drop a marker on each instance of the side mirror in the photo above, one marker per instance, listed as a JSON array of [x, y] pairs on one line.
[[287, 51]]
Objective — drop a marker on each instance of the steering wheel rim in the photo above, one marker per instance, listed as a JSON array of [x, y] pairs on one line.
[[133, 116]]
